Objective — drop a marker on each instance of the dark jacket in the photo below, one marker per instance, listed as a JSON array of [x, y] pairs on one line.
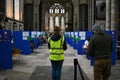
[[56, 38], [100, 45]]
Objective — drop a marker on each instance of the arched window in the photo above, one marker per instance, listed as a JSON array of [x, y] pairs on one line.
[[56, 8], [57, 22], [62, 10], [62, 23], [50, 10], [51, 24], [66, 19]]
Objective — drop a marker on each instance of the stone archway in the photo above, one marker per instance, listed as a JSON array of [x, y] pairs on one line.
[[52, 8]]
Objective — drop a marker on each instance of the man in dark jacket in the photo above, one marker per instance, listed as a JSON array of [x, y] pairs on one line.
[[100, 48]]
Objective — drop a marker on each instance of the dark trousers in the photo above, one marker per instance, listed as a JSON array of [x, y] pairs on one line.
[[102, 69], [56, 69]]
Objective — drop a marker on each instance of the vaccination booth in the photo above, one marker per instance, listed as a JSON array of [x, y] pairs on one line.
[[23, 39], [20, 41], [5, 49], [77, 39]]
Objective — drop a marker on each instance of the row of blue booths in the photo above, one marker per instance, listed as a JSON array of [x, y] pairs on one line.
[[17, 40], [77, 39]]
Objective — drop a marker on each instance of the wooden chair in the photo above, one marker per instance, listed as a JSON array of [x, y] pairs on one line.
[[16, 53]]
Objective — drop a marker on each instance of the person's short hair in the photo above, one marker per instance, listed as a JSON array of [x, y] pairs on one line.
[[96, 27], [57, 29]]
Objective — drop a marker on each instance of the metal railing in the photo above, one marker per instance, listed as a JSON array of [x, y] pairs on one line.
[[77, 65]]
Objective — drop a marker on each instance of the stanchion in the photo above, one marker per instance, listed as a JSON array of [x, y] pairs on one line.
[[75, 69]]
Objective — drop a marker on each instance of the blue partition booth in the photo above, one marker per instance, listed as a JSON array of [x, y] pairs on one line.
[[5, 50], [71, 38], [33, 34], [82, 36], [113, 34], [68, 37], [39, 39], [76, 39], [43, 35], [20, 41]]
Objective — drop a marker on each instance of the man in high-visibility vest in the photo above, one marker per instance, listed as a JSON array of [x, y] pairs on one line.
[[56, 45]]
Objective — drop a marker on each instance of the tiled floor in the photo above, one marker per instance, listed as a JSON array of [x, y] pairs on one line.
[[23, 69]]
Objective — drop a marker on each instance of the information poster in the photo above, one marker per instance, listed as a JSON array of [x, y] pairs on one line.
[[33, 34], [82, 35], [69, 33], [72, 34], [38, 34], [25, 35], [5, 36], [76, 34]]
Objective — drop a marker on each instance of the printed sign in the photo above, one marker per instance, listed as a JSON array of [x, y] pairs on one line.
[[33, 34], [82, 35], [25, 34], [76, 34]]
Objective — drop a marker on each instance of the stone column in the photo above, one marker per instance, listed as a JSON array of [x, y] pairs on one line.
[[83, 15], [113, 15], [108, 14], [36, 14], [28, 15], [2, 6], [91, 13], [76, 15], [93, 6]]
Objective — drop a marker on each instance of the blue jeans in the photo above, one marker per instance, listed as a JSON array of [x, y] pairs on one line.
[[56, 69]]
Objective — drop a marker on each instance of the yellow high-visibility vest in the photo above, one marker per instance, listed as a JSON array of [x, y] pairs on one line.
[[56, 49]]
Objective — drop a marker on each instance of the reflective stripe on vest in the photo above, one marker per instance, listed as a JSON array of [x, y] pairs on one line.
[[56, 49]]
